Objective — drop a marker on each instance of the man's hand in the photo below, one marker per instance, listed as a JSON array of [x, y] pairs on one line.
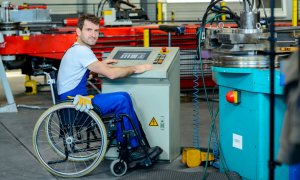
[[142, 68], [83, 103]]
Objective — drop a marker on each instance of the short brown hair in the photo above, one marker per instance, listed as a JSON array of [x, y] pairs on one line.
[[89, 17]]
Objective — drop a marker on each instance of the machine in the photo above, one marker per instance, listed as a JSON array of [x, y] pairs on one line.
[[117, 15], [241, 70], [155, 94], [242, 46], [41, 42], [18, 41]]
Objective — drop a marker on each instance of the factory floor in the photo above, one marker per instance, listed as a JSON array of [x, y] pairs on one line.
[[17, 160]]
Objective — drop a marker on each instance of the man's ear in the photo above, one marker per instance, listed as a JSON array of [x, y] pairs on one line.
[[78, 31]]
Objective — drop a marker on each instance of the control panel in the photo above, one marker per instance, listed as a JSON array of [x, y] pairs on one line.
[[155, 94], [160, 57]]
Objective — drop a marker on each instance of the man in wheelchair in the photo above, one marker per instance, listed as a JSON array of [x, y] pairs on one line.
[[73, 73]]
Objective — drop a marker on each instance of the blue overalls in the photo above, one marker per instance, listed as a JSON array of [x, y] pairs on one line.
[[110, 103]]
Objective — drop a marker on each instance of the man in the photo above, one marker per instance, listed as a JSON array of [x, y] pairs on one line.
[[74, 70]]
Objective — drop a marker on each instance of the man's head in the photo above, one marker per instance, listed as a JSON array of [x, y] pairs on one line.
[[88, 29]]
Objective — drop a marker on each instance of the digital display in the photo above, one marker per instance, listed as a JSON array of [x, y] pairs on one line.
[[132, 55]]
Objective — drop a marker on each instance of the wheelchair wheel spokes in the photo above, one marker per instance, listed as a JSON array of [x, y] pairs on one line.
[[64, 147], [62, 124]]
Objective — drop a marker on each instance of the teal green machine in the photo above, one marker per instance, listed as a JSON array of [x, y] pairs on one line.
[[240, 69], [244, 127]]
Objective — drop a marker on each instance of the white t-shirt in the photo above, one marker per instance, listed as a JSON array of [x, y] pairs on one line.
[[73, 66]]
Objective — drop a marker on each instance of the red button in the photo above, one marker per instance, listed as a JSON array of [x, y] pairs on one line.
[[232, 97], [164, 49]]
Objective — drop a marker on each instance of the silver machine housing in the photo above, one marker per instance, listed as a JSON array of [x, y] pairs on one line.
[[240, 47]]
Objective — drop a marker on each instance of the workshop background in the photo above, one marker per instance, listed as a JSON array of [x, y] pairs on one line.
[[210, 104]]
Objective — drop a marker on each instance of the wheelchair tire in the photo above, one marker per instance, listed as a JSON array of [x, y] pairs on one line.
[[118, 167], [60, 150]]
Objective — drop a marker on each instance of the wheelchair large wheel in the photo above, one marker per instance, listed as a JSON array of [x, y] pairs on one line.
[[69, 143], [76, 134]]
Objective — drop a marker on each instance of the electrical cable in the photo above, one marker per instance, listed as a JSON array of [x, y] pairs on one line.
[[252, 4], [196, 142], [103, 4], [200, 61], [196, 106], [98, 8], [209, 140], [196, 90], [231, 14], [249, 4], [264, 9], [213, 115], [258, 5], [245, 9]]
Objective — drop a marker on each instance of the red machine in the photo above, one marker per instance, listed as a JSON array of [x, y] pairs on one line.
[[48, 46]]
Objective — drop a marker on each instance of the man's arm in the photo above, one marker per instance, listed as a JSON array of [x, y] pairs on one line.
[[106, 69]]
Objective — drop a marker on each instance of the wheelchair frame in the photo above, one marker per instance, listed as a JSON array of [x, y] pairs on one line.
[[70, 143]]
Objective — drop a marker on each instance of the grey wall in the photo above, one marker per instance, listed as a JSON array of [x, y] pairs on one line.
[[183, 11], [194, 11]]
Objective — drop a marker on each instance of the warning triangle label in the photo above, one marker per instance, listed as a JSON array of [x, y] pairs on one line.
[[153, 122]]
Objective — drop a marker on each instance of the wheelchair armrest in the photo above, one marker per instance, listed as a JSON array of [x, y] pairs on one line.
[[63, 101], [108, 117]]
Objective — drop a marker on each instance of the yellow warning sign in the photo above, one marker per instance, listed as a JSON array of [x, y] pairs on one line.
[[153, 122]]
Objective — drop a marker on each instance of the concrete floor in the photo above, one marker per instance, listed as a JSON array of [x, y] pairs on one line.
[[17, 160]]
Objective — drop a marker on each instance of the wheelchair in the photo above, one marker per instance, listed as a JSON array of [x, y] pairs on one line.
[[70, 143]]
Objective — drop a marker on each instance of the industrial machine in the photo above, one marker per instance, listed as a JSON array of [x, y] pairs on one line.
[[240, 68], [19, 43], [117, 15], [155, 94], [242, 46], [41, 42]]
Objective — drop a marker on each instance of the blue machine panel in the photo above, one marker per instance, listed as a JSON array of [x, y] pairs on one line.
[[244, 127]]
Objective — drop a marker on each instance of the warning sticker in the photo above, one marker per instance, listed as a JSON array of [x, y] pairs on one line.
[[153, 122]]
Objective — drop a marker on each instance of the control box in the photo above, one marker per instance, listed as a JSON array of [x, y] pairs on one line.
[[155, 93]]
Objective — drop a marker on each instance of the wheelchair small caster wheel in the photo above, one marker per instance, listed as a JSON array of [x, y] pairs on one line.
[[118, 167]]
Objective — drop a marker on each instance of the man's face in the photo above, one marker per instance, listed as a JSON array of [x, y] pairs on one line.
[[89, 33]]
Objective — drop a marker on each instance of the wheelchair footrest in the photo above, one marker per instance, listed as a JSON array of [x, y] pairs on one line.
[[148, 158]]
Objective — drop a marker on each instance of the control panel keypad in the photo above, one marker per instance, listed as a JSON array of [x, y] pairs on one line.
[[159, 59]]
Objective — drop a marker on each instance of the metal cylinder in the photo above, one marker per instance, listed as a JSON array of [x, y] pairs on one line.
[[249, 19], [6, 5], [6, 18]]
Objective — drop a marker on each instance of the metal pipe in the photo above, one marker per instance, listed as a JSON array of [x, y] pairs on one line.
[[6, 5], [146, 38], [169, 39], [5, 83], [295, 13], [272, 163], [159, 12]]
